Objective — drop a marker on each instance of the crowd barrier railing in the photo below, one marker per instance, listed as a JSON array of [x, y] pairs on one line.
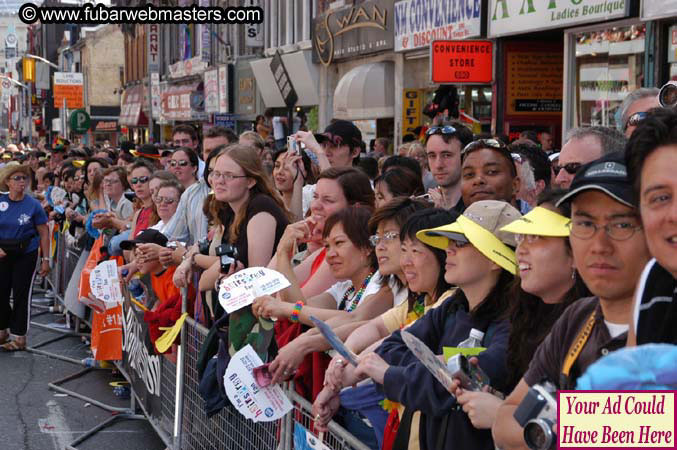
[[165, 389]]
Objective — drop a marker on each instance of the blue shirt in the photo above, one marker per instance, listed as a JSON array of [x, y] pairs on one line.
[[19, 220]]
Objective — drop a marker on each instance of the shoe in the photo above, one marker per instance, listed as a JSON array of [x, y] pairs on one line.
[[17, 345], [4, 337]]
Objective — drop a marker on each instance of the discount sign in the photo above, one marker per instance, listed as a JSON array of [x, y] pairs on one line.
[[462, 61]]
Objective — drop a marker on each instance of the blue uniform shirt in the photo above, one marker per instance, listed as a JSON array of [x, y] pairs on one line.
[[18, 220]]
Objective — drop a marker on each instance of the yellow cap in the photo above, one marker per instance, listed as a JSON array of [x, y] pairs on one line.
[[79, 163], [540, 222], [480, 225]]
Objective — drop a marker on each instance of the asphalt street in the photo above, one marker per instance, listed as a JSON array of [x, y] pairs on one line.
[[33, 417]]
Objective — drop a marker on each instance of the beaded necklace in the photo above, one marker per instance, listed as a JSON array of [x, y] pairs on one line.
[[356, 299]]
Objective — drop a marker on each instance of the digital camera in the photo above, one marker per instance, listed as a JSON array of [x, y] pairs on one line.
[[667, 96], [536, 414], [227, 254], [472, 377], [203, 246]]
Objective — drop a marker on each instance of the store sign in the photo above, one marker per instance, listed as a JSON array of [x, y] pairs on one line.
[[518, 17], [155, 95], [224, 120], [411, 110], [534, 81], [461, 61], [105, 126], [353, 30], [419, 22], [211, 85], [656, 9], [68, 86], [153, 37], [672, 44], [253, 32], [283, 81], [192, 66], [223, 89]]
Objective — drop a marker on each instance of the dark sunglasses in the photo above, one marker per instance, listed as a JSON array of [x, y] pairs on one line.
[[570, 168], [447, 129], [18, 178], [635, 119], [138, 180], [181, 163]]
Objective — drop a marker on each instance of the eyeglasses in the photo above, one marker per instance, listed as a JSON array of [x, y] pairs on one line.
[[387, 237], [635, 119], [447, 129], [618, 230], [528, 238], [108, 181], [137, 180], [570, 168], [18, 178], [180, 163], [166, 200], [484, 143], [226, 176]]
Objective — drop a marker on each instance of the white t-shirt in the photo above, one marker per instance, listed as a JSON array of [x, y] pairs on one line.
[[339, 289], [400, 294], [616, 329], [278, 128]]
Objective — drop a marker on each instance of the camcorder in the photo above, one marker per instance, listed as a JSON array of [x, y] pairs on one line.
[[227, 254], [667, 96], [536, 414], [471, 376]]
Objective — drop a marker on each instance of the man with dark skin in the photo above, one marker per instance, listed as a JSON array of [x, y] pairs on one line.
[[488, 173]]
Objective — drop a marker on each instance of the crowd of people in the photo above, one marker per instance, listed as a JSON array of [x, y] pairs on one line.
[[456, 236]]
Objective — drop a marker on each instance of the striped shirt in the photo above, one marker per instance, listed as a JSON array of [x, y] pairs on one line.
[[189, 223]]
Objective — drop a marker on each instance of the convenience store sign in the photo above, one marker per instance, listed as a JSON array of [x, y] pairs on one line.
[[520, 16]]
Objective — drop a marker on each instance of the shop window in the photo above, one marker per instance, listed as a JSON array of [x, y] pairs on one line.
[[609, 65]]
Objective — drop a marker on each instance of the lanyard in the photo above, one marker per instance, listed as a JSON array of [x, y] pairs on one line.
[[577, 346]]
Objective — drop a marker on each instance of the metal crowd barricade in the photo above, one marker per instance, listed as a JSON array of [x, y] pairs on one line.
[[181, 421]]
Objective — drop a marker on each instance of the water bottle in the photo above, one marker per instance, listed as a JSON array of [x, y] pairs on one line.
[[90, 362], [136, 290], [473, 341]]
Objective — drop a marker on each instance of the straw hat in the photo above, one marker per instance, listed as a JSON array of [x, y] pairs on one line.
[[8, 170]]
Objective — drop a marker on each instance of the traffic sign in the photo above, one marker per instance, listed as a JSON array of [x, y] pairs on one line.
[[464, 61], [69, 86], [80, 121]]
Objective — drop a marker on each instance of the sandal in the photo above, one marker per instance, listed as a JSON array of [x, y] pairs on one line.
[[14, 346]]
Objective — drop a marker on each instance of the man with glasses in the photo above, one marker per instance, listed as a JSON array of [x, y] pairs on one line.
[[443, 146], [582, 146], [634, 107], [610, 252]]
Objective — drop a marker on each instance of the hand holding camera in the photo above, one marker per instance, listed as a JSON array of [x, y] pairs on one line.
[[537, 414]]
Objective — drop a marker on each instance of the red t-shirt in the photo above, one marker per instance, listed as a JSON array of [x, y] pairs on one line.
[[142, 221]]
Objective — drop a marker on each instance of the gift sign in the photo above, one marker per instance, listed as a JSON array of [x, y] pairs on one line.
[[241, 288], [260, 404], [105, 284]]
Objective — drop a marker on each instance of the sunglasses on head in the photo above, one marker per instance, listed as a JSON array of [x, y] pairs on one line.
[[484, 143], [137, 180], [635, 119], [570, 168], [447, 129]]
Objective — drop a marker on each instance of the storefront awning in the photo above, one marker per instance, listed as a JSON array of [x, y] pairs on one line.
[[183, 102], [366, 92], [132, 111], [302, 72]]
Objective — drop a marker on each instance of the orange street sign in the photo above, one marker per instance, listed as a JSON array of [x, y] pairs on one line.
[[69, 86], [463, 61]]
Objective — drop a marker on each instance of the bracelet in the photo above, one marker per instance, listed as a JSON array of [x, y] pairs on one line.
[[296, 312]]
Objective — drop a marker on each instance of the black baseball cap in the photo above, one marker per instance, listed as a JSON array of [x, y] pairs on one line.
[[607, 174], [147, 236], [341, 132]]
